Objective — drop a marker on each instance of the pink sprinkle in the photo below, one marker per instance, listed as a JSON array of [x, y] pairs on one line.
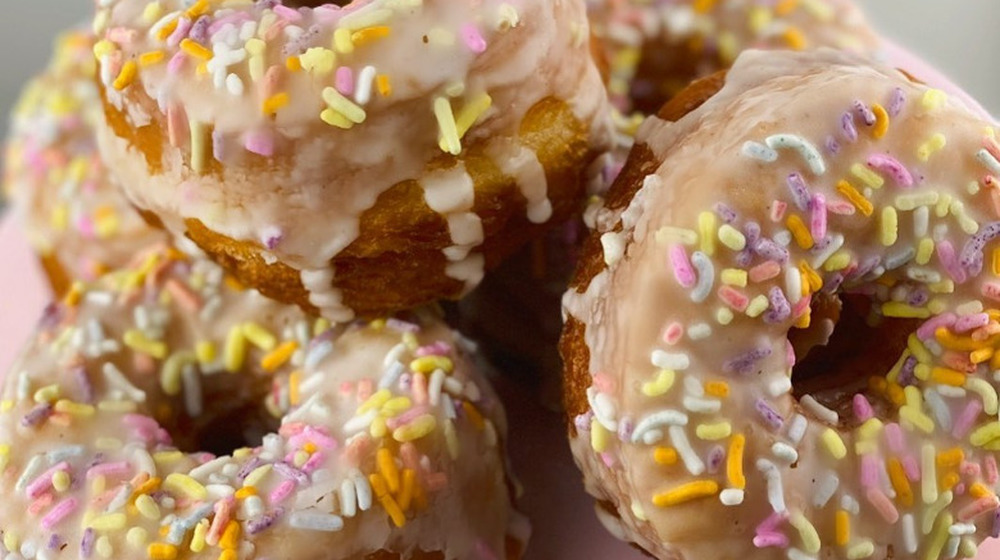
[[673, 333], [778, 208], [965, 420], [120, 468], [979, 507], [235, 19], [604, 383], [970, 322], [85, 226], [410, 456], [42, 484], [683, 271], [419, 388], [58, 513], [286, 13], [313, 462], [771, 524], [124, 35], [862, 408], [39, 505], [970, 469], [883, 505], [176, 63], [283, 490], [734, 298], [275, 31], [345, 80], [948, 259], [439, 348], [869, 471], [764, 271], [959, 489], [911, 468], [260, 143], [927, 329], [473, 38], [991, 290], [894, 435], [995, 198], [406, 417], [768, 540], [841, 208], [992, 473], [992, 146], [313, 435], [222, 512], [892, 167], [789, 353], [801, 306], [366, 388], [180, 32], [818, 222], [958, 361], [176, 125]]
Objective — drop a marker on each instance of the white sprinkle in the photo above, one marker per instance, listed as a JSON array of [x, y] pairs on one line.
[[363, 93], [391, 375], [201, 472], [796, 554], [849, 504], [326, 522], [656, 420], [702, 406], [909, 533], [358, 423], [819, 411], [785, 452], [613, 245], [253, 507], [827, 488], [731, 497], [318, 354], [951, 549], [363, 491], [939, 409], [921, 220], [234, 85], [962, 529], [32, 470], [759, 151], [694, 464], [793, 284], [699, 331], [348, 499], [23, 386], [193, 400], [805, 149], [144, 462], [775, 491], [836, 242], [117, 379], [706, 276], [693, 386], [780, 384], [987, 159], [783, 237], [666, 360], [434, 387], [951, 392], [797, 428], [604, 409]]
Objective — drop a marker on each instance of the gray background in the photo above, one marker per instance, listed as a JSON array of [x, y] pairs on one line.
[[957, 36]]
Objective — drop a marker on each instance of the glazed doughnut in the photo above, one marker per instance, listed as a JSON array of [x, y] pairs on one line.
[[706, 420], [77, 222], [655, 49], [352, 159], [122, 430]]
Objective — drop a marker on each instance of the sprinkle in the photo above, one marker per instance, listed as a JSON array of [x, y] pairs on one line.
[[803, 237], [196, 50], [692, 462], [892, 167], [447, 126], [714, 432], [758, 151], [806, 150], [827, 488], [706, 276], [775, 490], [686, 493], [127, 75], [311, 521], [834, 444], [862, 549], [881, 121], [821, 412], [185, 485], [799, 190], [660, 385], [808, 534]]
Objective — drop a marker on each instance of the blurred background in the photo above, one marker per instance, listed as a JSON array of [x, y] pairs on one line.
[[958, 38]]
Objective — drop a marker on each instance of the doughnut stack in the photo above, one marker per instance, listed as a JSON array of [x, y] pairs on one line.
[[777, 270]]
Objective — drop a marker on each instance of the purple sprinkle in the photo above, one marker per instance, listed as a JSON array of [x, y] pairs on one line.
[[248, 468], [199, 31], [918, 297], [751, 230], [891, 166], [800, 191], [972, 254], [771, 250], [582, 422], [770, 416], [906, 372], [86, 387], [832, 145], [779, 309], [896, 102], [715, 458], [864, 112], [744, 258], [745, 363], [833, 282], [260, 143], [727, 214], [291, 473], [263, 522], [847, 127], [87, 543], [625, 428], [37, 415], [55, 542], [866, 267]]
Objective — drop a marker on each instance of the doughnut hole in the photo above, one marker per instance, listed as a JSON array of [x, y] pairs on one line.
[[842, 349]]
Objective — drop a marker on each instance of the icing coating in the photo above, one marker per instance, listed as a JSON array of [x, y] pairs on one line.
[[331, 107], [387, 443], [808, 176], [75, 219]]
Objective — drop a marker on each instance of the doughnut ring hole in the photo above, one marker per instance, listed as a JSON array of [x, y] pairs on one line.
[[842, 349]]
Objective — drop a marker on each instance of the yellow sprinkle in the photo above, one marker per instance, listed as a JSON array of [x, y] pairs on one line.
[[195, 49], [934, 144], [834, 444], [136, 537], [986, 392], [660, 385], [917, 419], [933, 99], [235, 350], [665, 456], [167, 30], [127, 75], [808, 534], [843, 528], [162, 551], [137, 341], [706, 232], [294, 387], [381, 491], [732, 238], [246, 492], [342, 41], [862, 549], [795, 39], [600, 437], [938, 538], [259, 336], [199, 145], [900, 309], [723, 315], [686, 493], [369, 34], [418, 428], [257, 476], [230, 536], [427, 364], [867, 176], [183, 484], [198, 9], [889, 226], [388, 469], [803, 237], [273, 104], [344, 106], [714, 432], [470, 113], [150, 58], [152, 12], [147, 507], [870, 429], [985, 434], [838, 261], [757, 305], [109, 522], [924, 251], [947, 376], [447, 126], [375, 402], [279, 356], [61, 481], [333, 118], [198, 539], [74, 409], [881, 121], [47, 394], [734, 464], [318, 61]]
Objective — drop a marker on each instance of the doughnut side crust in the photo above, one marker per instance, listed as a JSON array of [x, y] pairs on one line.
[[684, 422], [482, 129], [76, 220], [380, 440]]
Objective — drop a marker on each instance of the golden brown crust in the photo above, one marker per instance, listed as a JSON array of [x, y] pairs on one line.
[[397, 261]]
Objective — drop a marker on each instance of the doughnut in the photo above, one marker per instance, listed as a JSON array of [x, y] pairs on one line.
[[799, 200], [352, 157], [165, 412], [655, 49], [77, 223]]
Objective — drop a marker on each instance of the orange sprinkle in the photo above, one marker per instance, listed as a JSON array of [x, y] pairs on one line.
[[293, 63], [795, 38], [383, 85], [279, 356], [996, 261], [246, 492], [369, 34], [150, 58], [979, 490], [896, 394], [231, 536], [665, 456], [810, 277], [897, 476], [803, 237], [946, 376], [949, 481], [785, 7], [126, 76], [881, 121], [703, 6], [981, 355], [719, 389], [274, 103], [950, 458], [852, 195], [167, 30], [197, 10], [196, 49]]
